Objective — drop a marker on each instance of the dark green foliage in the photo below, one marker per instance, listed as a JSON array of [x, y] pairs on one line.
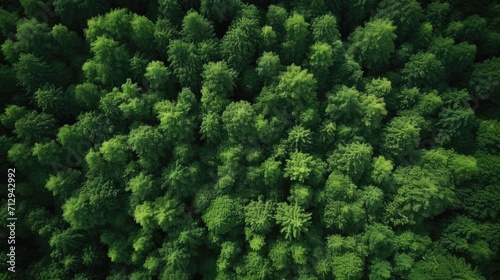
[[239, 44], [229, 139], [422, 70], [295, 43]]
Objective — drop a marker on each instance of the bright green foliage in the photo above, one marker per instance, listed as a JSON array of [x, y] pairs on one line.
[[89, 207], [229, 139], [347, 267], [11, 115], [382, 169], [343, 207], [374, 111], [299, 138], [293, 220], [63, 183], [269, 39], [401, 135], [301, 194], [157, 75], [174, 117], [115, 150], [113, 25], [229, 250], [373, 44], [255, 267], [303, 167], [352, 159], [223, 215], [142, 186], [239, 121], [148, 143], [321, 59], [298, 87], [218, 78], [47, 153], [343, 104]]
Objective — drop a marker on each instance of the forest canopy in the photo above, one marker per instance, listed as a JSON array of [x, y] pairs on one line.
[[231, 139]]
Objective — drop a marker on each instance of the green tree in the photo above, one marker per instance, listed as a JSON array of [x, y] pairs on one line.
[[219, 78], [224, 215], [109, 66], [402, 135], [298, 87], [484, 78], [404, 14], [239, 121], [488, 136], [373, 44], [269, 66], [157, 75], [293, 220], [303, 167], [348, 266], [239, 44], [196, 28], [462, 236], [35, 127], [259, 216], [325, 29], [90, 206], [186, 63], [276, 17], [423, 70], [295, 43], [114, 25], [352, 159], [421, 195], [142, 33], [33, 72]]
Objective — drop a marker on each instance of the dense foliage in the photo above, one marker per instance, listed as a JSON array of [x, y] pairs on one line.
[[229, 139]]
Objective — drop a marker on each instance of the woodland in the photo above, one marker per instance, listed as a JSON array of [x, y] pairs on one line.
[[231, 139]]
